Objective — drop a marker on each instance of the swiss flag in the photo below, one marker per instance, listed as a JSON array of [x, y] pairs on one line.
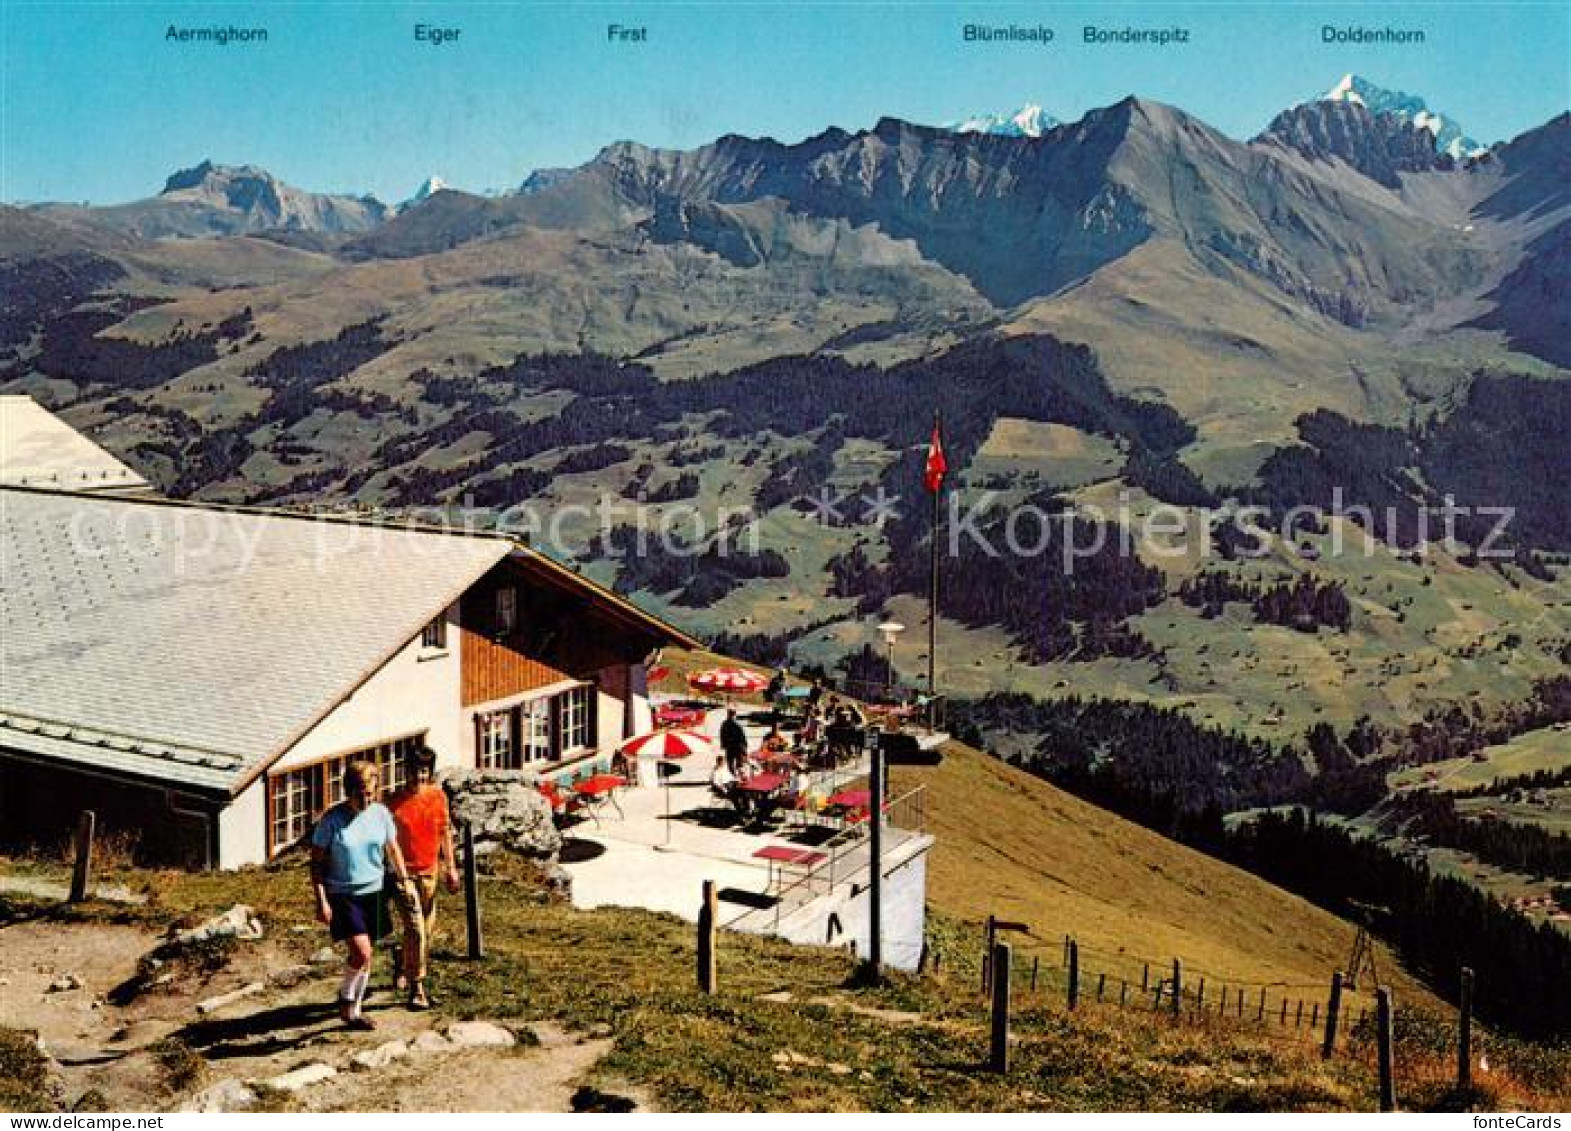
[[933, 474]]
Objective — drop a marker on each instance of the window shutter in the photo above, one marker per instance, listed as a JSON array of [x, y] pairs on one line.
[[479, 742], [592, 716], [558, 739]]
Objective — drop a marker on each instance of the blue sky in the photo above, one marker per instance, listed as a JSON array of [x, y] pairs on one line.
[[97, 106]]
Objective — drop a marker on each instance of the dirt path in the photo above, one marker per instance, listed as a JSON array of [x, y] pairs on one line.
[[55, 979], [533, 1079]]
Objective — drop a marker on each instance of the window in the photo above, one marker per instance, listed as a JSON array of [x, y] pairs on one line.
[[434, 636], [333, 782], [506, 611], [390, 758], [534, 730], [496, 740], [574, 716], [538, 730], [296, 798], [291, 806]]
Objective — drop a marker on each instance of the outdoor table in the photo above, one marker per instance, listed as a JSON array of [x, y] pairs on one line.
[[599, 789], [762, 783], [851, 799], [778, 857], [670, 716], [762, 792], [780, 758]]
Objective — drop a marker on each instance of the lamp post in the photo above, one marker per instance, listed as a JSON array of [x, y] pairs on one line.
[[889, 630]]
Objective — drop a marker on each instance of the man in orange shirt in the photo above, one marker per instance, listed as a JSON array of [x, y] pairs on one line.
[[425, 836]]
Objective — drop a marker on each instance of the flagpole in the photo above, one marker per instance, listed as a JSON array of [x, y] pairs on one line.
[[932, 604]]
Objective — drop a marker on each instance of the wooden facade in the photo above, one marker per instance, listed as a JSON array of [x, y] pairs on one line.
[[554, 637]]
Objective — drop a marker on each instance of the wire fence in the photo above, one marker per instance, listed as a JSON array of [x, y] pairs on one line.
[[1330, 1018]]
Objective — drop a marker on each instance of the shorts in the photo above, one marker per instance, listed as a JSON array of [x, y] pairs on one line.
[[362, 914]]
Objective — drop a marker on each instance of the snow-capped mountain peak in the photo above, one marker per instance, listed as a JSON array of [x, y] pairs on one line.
[[428, 188], [1447, 133], [1030, 121]]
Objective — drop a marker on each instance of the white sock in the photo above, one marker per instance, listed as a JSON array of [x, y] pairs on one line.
[[362, 980], [346, 987]]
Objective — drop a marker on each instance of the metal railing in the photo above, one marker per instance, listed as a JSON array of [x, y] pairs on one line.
[[905, 816]]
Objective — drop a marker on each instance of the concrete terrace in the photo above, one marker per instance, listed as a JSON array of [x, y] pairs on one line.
[[632, 855]]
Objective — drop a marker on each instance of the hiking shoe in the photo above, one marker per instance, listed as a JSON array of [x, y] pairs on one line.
[[361, 1024], [419, 1001]]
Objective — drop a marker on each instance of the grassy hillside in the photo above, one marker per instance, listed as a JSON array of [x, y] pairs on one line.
[[1012, 845]]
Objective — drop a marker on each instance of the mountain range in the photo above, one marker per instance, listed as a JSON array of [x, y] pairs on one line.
[[1133, 302]]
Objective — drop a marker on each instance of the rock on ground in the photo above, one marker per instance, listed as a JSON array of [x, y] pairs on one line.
[[213, 1004], [226, 1095], [480, 1034], [379, 1057], [238, 922], [430, 1042], [302, 1078]]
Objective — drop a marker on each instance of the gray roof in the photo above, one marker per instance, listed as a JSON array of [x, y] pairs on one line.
[[195, 644], [38, 449]]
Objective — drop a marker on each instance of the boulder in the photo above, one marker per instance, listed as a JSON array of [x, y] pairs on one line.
[[480, 1034], [506, 811], [64, 984], [226, 1095]]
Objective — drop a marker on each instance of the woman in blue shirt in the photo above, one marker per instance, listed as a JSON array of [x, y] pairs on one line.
[[353, 847]]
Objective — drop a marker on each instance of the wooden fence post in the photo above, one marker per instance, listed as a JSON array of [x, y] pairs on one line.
[[1298, 1015], [1145, 977], [987, 954], [1333, 1015], [82, 868], [1222, 1008], [1282, 1020], [1387, 1080], [1101, 981], [1036, 962], [708, 928], [1074, 973], [1178, 988], [1200, 995], [1260, 1014], [998, 1058], [1123, 991], [472, 895], [1464, 1031]]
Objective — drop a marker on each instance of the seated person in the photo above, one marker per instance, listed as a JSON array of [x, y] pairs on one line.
[[722, 782], [774, 742]]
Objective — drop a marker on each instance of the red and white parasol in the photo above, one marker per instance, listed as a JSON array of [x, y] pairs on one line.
[[667, 745], [729, 681]]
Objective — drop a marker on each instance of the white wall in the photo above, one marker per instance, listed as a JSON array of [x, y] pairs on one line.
[[638, 687], [416, 691], [904, 912], [242, 828]]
